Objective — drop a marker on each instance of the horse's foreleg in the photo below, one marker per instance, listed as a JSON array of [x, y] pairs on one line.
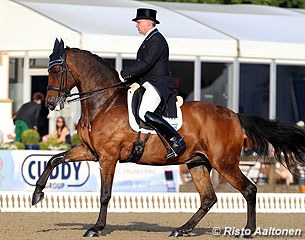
[[107, 174], [202, 181], [79, 153], [41, 182]]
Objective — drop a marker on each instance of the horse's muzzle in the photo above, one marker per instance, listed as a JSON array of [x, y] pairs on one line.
[[55, 103]]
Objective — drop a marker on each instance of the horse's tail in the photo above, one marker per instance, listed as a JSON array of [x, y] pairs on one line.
[[287, 139]]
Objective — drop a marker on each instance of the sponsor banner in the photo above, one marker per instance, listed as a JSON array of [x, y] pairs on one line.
[[130, 177], [20, 170], [7, 168]]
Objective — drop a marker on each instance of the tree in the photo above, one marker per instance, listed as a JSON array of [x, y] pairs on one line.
[[275, 3]]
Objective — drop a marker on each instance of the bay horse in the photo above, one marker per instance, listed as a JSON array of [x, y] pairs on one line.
[[213, 135]]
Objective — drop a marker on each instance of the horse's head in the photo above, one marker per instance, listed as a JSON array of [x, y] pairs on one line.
[[60, 81], [92, 75]]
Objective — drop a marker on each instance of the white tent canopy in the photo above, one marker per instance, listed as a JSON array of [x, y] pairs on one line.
[[104, 26], [261, 32], [248, 31], [192, 29], [23, 29]]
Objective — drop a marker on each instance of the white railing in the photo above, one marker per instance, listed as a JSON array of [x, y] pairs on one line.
[[148, 202]]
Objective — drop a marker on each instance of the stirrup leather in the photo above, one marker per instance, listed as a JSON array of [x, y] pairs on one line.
[[171, 154], [178, 146]]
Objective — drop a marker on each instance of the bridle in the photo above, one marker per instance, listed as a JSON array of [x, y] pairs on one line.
[[63, 80], [62, 89]]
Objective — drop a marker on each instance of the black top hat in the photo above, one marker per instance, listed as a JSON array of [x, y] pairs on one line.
[[146, 13]]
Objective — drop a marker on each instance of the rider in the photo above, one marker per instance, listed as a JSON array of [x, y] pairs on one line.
[[151, 70]]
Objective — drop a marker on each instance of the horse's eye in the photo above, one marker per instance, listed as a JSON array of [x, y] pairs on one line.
[[55, 71]]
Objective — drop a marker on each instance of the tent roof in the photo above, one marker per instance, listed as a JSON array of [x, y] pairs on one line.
[[191, 29], [261, 31]]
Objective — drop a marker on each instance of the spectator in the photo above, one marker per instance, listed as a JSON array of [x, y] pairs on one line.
[[284, 173], [185, 174], [8, 130], [301, 179], [27, 116], [61, 132]]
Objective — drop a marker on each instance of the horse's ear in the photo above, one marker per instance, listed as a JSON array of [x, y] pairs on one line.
[[61, 48], [58, 50], [61, 44], [56, 44]]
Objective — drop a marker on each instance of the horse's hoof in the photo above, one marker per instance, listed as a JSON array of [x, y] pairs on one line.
[[37, 197], [176, 233], [244, 236], [91, 233]]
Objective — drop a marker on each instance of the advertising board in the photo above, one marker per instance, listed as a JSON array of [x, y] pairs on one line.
[[20, 169]]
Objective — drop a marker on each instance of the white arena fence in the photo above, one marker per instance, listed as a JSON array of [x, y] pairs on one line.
[[149, 202]]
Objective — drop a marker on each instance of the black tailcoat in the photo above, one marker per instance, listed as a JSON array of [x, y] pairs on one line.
[[152, 65]]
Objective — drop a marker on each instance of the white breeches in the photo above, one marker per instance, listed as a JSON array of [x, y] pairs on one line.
[[150, 100]]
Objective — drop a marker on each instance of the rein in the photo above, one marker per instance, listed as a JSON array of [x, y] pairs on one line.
[[94, 92]]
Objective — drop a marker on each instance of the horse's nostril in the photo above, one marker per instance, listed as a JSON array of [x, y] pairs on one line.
[[50, 105]]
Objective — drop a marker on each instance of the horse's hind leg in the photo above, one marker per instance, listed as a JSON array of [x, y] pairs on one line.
[[202, 181], [239, 181], [79, 153]]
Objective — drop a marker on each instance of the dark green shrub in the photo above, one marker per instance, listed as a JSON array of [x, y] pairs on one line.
[[30, 136]]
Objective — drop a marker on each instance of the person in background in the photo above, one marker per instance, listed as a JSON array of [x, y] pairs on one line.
[[8, 130], [27, 116], [61, 132], [284, 174], [185, 174]]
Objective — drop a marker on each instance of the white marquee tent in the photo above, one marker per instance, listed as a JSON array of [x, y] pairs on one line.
[[191, 29]]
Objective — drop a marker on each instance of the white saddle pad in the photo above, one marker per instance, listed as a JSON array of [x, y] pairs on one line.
[[176, 123]]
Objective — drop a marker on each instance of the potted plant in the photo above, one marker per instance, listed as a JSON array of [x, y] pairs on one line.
[[19, 145], [52, 144], [30, 138], [8, 146], [12, 146], [75, 140]]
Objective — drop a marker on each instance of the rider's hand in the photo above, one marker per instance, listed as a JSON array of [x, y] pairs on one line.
[[133, 87]]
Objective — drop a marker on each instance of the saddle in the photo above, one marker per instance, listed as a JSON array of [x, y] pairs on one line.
[[170, 110]]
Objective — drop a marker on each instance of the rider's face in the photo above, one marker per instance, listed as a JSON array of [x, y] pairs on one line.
[[143, 26]]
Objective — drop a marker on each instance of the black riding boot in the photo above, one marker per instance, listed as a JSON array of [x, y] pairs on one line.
[[175, 141]]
